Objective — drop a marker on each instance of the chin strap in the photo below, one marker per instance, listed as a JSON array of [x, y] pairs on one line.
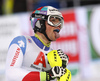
[[46, 36], [40, 27]]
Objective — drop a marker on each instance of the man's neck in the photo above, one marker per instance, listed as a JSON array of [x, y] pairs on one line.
[[43, 39]]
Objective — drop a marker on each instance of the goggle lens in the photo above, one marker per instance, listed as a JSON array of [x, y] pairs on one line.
[[55, 21]]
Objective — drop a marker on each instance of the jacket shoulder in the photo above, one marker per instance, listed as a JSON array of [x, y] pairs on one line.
[[20, 41]]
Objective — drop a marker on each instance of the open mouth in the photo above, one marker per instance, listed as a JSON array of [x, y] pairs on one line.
[[57, 30]]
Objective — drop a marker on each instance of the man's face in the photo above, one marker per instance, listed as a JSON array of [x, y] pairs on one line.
[[52, 32]]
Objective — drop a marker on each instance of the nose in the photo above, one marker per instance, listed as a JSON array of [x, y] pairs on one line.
[[59, 26]]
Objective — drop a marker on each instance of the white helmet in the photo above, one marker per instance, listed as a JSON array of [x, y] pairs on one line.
[[46, 13]]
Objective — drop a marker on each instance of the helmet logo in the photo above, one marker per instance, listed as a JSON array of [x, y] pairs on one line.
[[53, 10], [43, 12], [39, 16]]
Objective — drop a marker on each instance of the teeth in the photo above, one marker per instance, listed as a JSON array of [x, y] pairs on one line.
[[57, 30]]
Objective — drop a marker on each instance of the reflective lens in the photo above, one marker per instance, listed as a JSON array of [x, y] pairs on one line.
[[55, 20]]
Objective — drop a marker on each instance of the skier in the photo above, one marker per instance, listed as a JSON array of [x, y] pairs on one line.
[[28, 56]]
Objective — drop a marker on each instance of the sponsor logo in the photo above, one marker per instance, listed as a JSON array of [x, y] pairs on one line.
[[68, 75], [29, 40], [43, 12], [15, 56], [40, 60], [21, 43], [39, 16], [55, 56], [33, 66], [53, 10]]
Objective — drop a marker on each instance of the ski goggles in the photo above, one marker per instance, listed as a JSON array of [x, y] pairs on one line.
[[55, 20]]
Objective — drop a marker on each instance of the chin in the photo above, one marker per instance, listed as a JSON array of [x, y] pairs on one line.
[[54, 39]]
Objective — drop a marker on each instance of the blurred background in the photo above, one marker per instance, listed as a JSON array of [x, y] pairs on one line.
[[80, 36]]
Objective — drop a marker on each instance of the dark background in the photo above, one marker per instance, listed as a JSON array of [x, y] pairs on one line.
[[30, 5]]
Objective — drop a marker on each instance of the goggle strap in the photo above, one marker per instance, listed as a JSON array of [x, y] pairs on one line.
[[45, 17]]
